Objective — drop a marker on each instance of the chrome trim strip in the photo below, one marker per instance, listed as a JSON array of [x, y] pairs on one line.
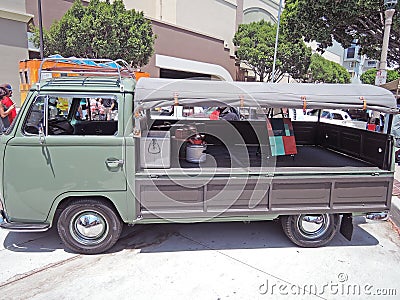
[[377, 216]]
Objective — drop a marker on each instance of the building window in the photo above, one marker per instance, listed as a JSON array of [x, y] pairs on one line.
[[255, 14], [351, 52]]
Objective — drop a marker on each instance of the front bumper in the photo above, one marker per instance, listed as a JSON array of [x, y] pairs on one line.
[[21, 226]]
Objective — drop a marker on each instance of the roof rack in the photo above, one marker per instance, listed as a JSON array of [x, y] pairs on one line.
[[73, 66]]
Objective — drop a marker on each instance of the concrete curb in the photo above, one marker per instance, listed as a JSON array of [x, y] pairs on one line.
[[395, 211]]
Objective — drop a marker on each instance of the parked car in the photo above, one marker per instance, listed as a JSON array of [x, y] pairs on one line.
[[336, 116], [358, 114], [332, 116]]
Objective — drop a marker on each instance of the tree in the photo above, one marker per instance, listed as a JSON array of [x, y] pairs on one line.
[[256, 42], [346, 21], [327, 71], [100, 30], [368, 77]]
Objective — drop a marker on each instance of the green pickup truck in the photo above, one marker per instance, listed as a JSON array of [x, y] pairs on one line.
[[92, 151]]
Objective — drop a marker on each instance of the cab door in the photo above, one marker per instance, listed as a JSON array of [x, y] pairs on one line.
[[49, 158]]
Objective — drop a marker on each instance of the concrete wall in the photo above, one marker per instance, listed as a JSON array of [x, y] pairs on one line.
[[195, 30], [163, 10], [14, 5], [334, 53], [216, 18], [149, 7], [52, 10], [181, 43], [255, 10], [168, 10], [213, 17], [13, 42]]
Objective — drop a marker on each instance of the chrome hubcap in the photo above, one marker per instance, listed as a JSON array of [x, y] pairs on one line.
[[89, 227], [313, 226]]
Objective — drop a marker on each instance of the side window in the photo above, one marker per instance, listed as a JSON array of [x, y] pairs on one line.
[[58, 122], [162, 111], [199, 112], [336, 116], [95, 116], [72, 115], [325, 114], [58, 110], [35, 117], [99, 109]]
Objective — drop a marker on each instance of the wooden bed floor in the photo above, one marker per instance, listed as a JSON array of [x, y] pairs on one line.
[[243, 157]]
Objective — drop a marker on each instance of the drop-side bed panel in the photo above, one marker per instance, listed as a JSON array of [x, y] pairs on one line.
[[197, 197], [361, 193], [247, 196], [292, 194], [367, 193]]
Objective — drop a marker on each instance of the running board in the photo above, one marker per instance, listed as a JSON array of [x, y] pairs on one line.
[[23, 227]]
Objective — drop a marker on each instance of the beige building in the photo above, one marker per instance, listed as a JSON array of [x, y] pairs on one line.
[[52, 10], [194, 37], [13, 41], [256, 10], [215, 18]]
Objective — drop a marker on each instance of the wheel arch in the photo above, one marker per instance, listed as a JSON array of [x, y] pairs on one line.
[[118, 202]]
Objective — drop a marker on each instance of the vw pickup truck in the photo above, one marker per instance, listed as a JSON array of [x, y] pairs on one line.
[[92, 150]]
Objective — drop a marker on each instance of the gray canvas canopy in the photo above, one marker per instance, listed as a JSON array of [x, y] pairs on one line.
[[154, 92]]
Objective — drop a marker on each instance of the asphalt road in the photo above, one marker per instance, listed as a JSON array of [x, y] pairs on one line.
[[204, 261]]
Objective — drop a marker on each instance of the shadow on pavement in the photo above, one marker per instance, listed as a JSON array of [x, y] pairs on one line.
[[48, 241], [189, 237]]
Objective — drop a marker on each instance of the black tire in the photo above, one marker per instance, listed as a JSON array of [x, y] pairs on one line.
[[311, 230], [89, 226]]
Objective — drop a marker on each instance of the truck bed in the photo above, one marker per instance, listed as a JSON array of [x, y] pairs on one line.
[[331, 183], [321, 147], [307, 156], [309, 160], [336, 170]]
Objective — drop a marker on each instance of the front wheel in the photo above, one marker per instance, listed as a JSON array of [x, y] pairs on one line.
[[89, 226], [311, 230]]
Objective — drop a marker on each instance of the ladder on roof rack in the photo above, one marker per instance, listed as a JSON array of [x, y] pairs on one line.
[[86, 67]]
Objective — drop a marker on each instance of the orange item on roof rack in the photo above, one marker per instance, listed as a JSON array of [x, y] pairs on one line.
[[57, 66]]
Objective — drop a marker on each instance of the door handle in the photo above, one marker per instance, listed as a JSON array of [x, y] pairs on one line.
[[114, 162]]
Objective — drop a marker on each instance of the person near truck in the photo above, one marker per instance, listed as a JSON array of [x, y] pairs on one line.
[[228, 114], [114, 110], [5, 110], [107, 104], [7, 102]]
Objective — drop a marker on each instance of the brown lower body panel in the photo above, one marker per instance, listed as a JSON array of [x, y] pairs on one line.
[[260, 195]]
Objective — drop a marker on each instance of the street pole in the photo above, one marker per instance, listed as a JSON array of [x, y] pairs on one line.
[[276, 41], [381, 74], [40, 29]]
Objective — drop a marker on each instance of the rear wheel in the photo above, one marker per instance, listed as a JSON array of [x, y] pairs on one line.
[[311, 230], [89, 226]]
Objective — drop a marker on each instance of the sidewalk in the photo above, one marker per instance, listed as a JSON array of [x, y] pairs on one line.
[[395, 210]]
